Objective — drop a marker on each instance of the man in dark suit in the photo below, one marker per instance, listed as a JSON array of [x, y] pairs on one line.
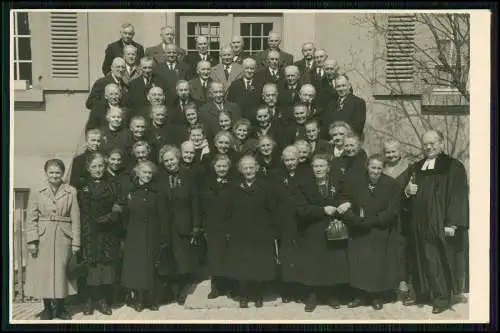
[[288, 89], [202, 46], [199, 85], [132, 70], [270, 97], [307, 96], [347, 107], [177, 105], [112, 98], [272, 73], [156, 96], [316, 77], [237, 45], [172, 70], [137, 96], [306, 64], [245, 92], [325, 91], [273, 41], [209, 113], [96, 95], [157, 52], [115, 49]]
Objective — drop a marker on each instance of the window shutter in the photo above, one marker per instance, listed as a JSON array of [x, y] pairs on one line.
[[68, 54], [400, 48]]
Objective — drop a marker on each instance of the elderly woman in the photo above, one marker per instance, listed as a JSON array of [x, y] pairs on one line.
[[353, 162], [182, 192], [191, 119], [225, 121], [147, 228], [223, 145], [285, 181], [53, 235], [296, 130], [323, 262], [251, 233], [268, 155], [215, 196], [101, 234], [243, 142], [369, 205], [304, 164]]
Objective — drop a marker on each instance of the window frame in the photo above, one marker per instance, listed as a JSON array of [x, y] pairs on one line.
[[276, 20], [450, 58], [20, 85]]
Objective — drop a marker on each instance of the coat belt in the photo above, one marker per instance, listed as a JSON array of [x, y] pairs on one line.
[[55, 218]]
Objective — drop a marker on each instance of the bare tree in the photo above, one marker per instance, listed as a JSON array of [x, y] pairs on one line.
[[440, 58]]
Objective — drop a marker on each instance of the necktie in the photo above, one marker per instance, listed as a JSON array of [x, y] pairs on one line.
[[203, 57], [173, 181], [341, 104], [226, 72]]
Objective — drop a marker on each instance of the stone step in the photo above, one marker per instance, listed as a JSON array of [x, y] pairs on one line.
[[197, 299]]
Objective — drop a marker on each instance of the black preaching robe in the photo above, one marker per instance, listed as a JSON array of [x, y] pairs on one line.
[[441, 200]]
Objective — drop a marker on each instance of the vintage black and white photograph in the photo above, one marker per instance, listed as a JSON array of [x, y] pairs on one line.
[[248, 165]]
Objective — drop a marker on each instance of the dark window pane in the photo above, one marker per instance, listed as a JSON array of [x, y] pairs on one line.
[[246, 44], [191, 28], [15, 48], [215, 54], [15, 70], [191, 43], [23, 27], [267, 28], [214, 45], [256, 44], [25, 71], [256, 29], [245, 29], [24, 49]]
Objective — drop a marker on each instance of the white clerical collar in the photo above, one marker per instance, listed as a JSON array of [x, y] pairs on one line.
[[429, 164]]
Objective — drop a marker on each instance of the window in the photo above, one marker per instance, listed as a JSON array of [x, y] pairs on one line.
[[443, 74], [255, 36], [400, 48], [254, 31], [23, 66], [211, 30]]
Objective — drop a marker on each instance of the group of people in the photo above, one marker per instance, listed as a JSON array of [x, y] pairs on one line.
[[251, 170]]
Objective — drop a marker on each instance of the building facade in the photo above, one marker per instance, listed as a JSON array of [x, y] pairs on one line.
[[57, 57]]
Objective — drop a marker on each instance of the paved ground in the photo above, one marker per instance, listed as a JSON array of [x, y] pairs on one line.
[[198, 308]]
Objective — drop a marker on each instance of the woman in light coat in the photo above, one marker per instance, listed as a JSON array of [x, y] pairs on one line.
[[53, 234]]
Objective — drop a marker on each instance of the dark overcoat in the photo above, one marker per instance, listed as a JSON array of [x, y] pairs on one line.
[[147, 226], [322, 262], [373, 246], [183, 194], [285, 191], [251, 232], [214, 202], [101, 228]]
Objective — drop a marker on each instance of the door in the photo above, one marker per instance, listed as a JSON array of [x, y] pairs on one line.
[[219, 29]]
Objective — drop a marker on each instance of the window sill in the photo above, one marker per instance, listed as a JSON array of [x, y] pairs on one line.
[[391, 91], [33, 95]]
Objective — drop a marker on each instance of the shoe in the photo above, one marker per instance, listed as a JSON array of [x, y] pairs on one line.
[[64, 314], [355, 303], [377, 304], [154, 307], [181, 300], [139, 307], [286, 299], [47, 314], [438, 309], [89, 308], [311, 303], [244, 303], [104, 308], [259, 302], [334, 303], [214, 293]]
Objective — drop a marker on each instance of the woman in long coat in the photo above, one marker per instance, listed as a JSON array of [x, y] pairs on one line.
[[215, 197], [323, 263], [244, 143], [185, 231], [147, 226], [372, 219], [285, 181], [251, 233], [101, 234], [52, 234]]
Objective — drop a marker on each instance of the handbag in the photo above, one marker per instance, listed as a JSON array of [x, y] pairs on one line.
[[336, 230]]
